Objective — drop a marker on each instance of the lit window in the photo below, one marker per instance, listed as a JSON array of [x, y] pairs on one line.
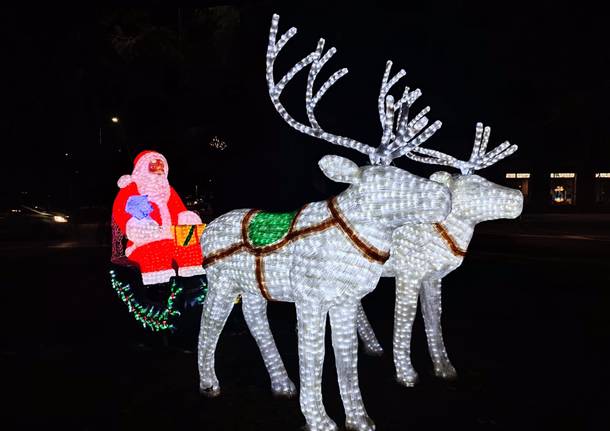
[[563, 188], [559, 194]]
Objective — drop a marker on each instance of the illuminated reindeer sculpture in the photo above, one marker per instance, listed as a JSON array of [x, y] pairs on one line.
[[423, 254], [330, 255]]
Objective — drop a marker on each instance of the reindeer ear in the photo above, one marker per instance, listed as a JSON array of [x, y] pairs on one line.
[[339, 169], [442, 177]]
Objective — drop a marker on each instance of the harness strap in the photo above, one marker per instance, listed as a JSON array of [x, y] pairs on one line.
[[370, 252], [259, 270], [336, 219], [455, 249]]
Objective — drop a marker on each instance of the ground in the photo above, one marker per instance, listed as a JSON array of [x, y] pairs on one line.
[[526, 326]]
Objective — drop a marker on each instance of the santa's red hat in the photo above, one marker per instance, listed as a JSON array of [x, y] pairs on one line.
[[142, 154], [125, 180]]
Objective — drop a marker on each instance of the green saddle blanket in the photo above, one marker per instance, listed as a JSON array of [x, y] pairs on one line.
[[267, 228]]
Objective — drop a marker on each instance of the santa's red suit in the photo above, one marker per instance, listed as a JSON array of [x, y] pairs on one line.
[[151, 242]]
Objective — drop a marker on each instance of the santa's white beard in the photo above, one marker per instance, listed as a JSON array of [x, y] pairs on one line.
[[156, 187]]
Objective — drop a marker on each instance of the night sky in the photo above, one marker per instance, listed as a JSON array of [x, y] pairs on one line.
[[538, 75]]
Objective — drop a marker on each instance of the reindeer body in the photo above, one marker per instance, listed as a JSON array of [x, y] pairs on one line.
[[325, 265], [290, 270], [423, 254], [323, 272]]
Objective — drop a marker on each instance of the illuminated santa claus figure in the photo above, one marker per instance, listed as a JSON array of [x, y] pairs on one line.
[[147, 210]]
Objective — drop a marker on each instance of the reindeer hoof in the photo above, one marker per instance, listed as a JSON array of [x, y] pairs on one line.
[[408, 379], [446, 372], [325, 425], [363, 423], [210, 392], [285, 390]]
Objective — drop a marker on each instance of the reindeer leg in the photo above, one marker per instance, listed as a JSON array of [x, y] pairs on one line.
[[367, 335], [255, 312], [216, 310], [345, 343], [407, 290], [311, 319], [431, 309]]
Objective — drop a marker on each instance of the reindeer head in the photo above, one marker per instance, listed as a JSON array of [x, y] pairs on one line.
[[379, 193], [478, 199], [386, 194], [473, 197]]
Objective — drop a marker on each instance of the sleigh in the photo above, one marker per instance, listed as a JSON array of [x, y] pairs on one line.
[[155, 308]]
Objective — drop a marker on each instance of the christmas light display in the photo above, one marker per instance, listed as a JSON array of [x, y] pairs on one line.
[[151, 317], [325, 257], [218, 144], [423, 254], [156, 319], [159, 228]]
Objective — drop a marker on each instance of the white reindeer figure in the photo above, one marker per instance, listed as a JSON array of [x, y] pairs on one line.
[[423, 254], [331, 257]]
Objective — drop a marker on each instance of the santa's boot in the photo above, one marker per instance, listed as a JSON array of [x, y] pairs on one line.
[[189, 271], [156, 277]]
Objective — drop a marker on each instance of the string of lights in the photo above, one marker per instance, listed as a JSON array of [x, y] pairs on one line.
[[151, 317]]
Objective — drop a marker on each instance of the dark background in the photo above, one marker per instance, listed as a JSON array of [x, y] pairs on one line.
[[176, 77]]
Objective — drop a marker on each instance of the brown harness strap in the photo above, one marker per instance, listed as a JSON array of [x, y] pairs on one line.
[[259, 265], [336, 219], [367, 250], [212, 258], [455, 249], [244, 225]]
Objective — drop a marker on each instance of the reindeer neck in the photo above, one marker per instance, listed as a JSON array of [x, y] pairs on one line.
[[374, 233], [460, 228]]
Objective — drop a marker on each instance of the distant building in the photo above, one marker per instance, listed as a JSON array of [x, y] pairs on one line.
[[562, 191]]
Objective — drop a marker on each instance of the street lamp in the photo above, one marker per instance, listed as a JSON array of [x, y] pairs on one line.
[[114, 120]]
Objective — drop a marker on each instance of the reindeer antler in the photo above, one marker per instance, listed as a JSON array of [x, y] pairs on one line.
[[407, 136], [317, 60], [400, 136], [479, 159]]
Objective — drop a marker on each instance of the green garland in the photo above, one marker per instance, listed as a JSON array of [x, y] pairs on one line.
[[148, 315]]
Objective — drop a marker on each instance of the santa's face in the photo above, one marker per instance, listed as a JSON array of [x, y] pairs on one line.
[[150, 175], [156, 167]]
